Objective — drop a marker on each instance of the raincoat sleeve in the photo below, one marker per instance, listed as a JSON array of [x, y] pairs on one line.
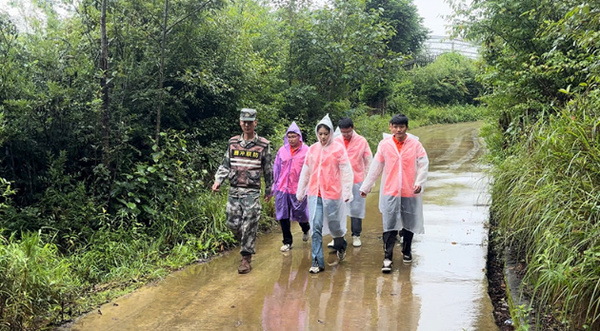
[[276, 170], [267, 168], [375, 171], [367, 157], [422, 168], [224, 169], [347, 177], [303, 181]]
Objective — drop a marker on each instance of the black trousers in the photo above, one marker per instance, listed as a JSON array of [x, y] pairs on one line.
[[389, 240], [340, 244], [287, 232]]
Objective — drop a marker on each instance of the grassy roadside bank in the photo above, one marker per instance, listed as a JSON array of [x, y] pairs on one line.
[[545, 205]]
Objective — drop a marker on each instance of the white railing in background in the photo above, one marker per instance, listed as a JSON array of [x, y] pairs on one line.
[[436, 45]]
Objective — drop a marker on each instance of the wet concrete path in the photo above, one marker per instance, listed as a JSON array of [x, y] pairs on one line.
[[445, 288]]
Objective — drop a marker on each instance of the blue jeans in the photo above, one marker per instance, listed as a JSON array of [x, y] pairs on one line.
[[317, 236]]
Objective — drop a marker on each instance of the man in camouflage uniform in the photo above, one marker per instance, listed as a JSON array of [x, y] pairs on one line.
[[247, 156]]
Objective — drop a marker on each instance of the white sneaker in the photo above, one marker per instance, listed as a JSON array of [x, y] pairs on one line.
[[330, 245], [356, 241], [286, 247], [387, 266], [315, 269]]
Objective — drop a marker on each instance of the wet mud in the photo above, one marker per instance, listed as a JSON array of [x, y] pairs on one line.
[[445, 288]]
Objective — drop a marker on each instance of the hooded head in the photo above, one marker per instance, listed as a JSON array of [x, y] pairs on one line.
[[292, 129], [325, 126]]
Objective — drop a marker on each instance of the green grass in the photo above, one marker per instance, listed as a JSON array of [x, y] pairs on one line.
[[36, 283], [546, 198]]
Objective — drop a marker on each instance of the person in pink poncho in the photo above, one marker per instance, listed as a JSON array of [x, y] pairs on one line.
[[404, 164], [326, 179], [360, 156], [286, 173]]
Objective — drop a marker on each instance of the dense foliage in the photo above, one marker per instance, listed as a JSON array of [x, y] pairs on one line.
[[115, 114], [541, 76]]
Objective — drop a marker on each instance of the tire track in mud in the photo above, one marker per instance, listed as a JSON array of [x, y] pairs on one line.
[[463, 149]]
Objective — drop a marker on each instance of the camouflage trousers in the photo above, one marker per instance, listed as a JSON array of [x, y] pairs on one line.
[[243, 212]]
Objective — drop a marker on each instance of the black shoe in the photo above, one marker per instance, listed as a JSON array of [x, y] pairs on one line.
[[341, 254], [407, 258]]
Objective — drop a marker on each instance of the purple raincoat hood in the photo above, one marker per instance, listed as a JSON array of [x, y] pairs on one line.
[[293, 128]]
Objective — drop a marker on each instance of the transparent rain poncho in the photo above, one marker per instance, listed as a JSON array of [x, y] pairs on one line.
[[327, 171], [398, 179], [360, 156]]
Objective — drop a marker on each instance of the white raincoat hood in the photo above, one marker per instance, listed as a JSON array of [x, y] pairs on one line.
[[327, 121]]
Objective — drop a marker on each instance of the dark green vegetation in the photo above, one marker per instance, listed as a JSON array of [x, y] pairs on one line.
[[541, 77], [114, 117]]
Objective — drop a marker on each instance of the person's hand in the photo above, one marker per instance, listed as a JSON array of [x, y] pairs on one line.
[[417, 189], [268, 198], [363, 194], [216, 186]]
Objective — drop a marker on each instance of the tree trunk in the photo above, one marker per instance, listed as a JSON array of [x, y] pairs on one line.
[[161, 72], [105, 114]]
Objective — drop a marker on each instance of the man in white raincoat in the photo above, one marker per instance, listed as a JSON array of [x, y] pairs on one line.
[[404, 164], [326, 179]]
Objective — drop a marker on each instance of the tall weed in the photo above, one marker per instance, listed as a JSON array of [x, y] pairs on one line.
[[547, 201], [36, 283]]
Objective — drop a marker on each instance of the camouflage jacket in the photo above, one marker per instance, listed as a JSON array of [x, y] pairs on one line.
[[243, 163]]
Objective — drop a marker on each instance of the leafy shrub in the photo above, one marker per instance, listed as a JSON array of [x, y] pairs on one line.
[[450, 79]]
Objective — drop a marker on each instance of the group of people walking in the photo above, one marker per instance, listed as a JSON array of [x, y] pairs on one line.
[[319, 186]]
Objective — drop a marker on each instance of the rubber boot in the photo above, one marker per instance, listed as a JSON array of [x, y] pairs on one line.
[[245, 267]]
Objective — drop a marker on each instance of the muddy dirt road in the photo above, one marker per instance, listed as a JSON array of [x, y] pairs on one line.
[[445, 288]]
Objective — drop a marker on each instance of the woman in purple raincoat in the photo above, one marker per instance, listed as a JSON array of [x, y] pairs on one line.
[[286, 172]]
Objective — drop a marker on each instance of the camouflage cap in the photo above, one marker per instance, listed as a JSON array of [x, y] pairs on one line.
[[248, 114]]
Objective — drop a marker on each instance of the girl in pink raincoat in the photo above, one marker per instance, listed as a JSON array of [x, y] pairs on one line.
[[327, 180], [286, 172], [404, 164]]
